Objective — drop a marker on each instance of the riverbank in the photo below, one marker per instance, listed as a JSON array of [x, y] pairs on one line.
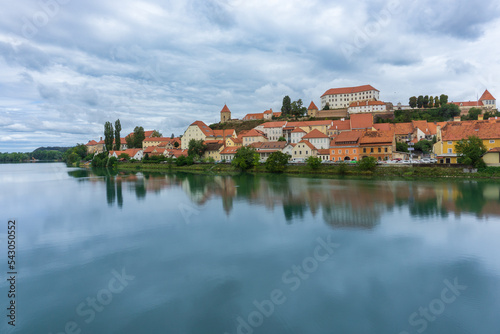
[[323, 170]]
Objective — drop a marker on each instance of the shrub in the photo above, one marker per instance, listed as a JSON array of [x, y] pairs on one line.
[[313, 162], [245, 158], [276, 163], [367, 164]]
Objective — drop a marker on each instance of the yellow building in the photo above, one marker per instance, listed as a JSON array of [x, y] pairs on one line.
[[197, 130], [451, 133]]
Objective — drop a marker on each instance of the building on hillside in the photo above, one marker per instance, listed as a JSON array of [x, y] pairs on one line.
[[225, 114], [343, 97], [273, 130], [313, 111], [231, 141], [196, 130], [486, 101], [228, 153], [304, 150], [253, 136], [266, 115], [451, 133], [345, 146], [222, 134], [367, 107], [318, 139], [377, 144], [157, 141]]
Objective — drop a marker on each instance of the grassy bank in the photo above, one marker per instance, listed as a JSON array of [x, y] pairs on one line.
[[323, 170]]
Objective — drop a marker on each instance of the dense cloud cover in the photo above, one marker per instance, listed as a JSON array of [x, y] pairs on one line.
[[68, 66]]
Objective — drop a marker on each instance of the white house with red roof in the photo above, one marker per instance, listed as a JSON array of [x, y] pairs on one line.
[[318, 139], [253, 136], [296, 135], [273, 130], [343, 97], [133, 153], [486, 101], [303, 150], [196, 130], [366, 107]]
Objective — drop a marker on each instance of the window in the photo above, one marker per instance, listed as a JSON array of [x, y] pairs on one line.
[[354, 151], [371, 150], [450, 150], [386, 150], [364, 150], [379, 150], [340, 151], [450, 143], [492, 141], [300, 152], [346, 151]]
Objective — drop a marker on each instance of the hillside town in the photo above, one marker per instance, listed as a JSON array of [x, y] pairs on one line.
[[352, 124]]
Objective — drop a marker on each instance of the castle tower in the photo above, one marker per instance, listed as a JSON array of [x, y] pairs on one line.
[[312, 111], [225, 114]]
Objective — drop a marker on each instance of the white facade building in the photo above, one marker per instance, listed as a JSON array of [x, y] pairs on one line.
[[342, 97], [367, 106]]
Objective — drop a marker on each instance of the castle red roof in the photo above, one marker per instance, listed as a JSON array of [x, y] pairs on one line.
[[486, 96], [312, 106], [349, 90], [225, 109]]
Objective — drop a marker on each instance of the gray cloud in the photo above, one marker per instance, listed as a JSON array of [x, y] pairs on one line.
[[163, 64]]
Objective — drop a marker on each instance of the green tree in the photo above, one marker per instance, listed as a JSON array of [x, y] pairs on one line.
[[276, 162], [436, 102], [413, 101], [286, 108], [156, 134], [448, 111], [425, 146], [443, 99], [176, 144], [281, 139], [401, 147], [313, 162], [426, 101], [124, 156], [118, 128], [327, 106], [196, 148], [473, 114], [367, 164], [298, 110], [420, 101], [470, 151], [139, 137], [172, 136], [108, 136], [245, 158], [431, 102]]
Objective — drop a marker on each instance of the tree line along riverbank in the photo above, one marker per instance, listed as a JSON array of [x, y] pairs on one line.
[[323, 170]]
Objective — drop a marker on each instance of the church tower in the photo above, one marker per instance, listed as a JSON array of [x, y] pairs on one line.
[[312, 111], [225, 114]]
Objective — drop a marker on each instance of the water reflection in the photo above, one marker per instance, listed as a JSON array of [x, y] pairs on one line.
[[339, 202]]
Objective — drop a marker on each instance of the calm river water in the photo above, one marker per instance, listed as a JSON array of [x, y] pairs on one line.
[[182, 253]]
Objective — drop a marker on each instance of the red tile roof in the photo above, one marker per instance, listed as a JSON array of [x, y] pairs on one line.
[[403, 128], [347, 137], [177, 152], [203, 127], [225, 109], [494, 150], [273, 145], [324, 151], [461, 130], [312, 106], [309, 123], [270, 111], [230, 150], [349, 90], [254, 133], [160, 139], [296, 130], [361, 121], [486, 96], [91, 143], [315, 134], [225, 133], [383, 126], [377, 137], [467, 104], [340, 125]]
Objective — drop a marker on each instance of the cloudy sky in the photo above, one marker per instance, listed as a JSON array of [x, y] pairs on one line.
[[66, 67]]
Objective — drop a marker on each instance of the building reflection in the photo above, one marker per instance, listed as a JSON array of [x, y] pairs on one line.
[[339, 203]]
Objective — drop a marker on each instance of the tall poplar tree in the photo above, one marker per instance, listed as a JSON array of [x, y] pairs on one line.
[[118, 128], [108, 136]]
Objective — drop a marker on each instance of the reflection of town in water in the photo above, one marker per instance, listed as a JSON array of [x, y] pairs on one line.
[[340, 203]]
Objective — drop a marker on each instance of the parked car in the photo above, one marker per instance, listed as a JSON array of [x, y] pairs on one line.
[[297, 161], [406, 162], [426, 160]]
